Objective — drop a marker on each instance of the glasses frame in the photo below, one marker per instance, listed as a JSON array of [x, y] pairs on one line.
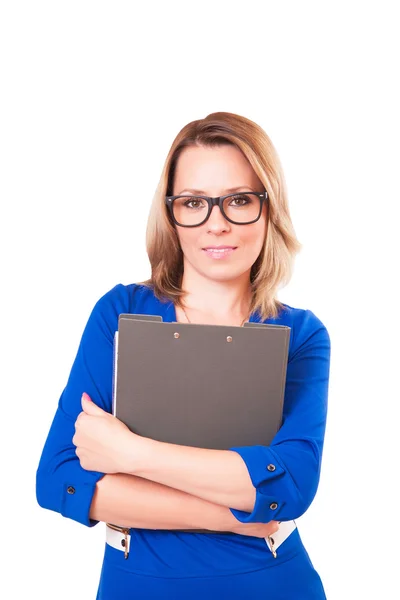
[[216, 201]]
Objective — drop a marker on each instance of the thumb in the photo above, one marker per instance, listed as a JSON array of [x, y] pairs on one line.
[[89, 407]]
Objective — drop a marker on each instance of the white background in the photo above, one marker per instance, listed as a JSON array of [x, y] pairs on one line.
[[92, 95]]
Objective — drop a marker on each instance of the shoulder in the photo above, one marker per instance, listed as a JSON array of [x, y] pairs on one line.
[[132, 298], [306, 328], [124, 298]]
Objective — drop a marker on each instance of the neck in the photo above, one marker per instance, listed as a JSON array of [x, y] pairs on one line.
[[218, 301]]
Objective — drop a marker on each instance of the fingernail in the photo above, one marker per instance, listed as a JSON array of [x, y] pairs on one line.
[[84, 395]]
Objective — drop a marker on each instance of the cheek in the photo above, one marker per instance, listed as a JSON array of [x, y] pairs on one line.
[[255, 237], [260, 234], [187, 239]]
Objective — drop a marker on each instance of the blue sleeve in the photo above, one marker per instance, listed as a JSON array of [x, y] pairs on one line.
[[286, 473], [62, 485]]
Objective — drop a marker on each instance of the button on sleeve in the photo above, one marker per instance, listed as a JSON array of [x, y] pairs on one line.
[[262, 470]]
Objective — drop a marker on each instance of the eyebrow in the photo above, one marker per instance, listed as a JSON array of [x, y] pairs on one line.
[[228, 191]]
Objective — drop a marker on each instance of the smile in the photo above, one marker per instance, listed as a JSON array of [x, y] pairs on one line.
[[218, 253]]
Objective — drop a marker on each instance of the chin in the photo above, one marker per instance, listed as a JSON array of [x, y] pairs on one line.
[[224, 273]]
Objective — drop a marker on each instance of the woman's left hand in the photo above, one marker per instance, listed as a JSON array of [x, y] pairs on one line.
[[103, 443]]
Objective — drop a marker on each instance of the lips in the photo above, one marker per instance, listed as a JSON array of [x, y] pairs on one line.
[[220, 248], [219, 253]]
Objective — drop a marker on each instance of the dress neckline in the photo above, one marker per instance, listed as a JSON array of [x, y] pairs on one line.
[[171, 316]]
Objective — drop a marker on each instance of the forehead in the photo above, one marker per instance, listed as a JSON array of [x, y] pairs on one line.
[[213, 170]]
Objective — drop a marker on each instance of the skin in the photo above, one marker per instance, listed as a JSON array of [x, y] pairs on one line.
[[218, 291]]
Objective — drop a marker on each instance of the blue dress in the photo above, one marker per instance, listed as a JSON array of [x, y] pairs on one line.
[[182, 565]]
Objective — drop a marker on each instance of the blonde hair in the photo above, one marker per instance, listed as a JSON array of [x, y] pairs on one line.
[[274, 265]]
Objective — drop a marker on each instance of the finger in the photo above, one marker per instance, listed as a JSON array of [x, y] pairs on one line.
[[85, 399], [275, 526], [79, 421], [89, 407]]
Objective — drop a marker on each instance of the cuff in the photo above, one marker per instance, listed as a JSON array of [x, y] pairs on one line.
[[72, 497], [77, 499], [265, 473]]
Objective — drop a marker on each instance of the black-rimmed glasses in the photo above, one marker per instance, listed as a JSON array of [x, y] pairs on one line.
[[241, 208]]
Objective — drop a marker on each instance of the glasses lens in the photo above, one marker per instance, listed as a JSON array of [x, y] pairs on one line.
[[189, 210], [240, 208]]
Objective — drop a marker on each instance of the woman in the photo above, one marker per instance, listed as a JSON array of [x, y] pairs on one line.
[[221, 262]]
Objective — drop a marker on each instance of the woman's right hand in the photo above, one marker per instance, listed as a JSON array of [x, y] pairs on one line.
[[260, 530]]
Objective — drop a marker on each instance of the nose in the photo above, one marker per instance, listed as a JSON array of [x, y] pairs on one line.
[[216, 222]]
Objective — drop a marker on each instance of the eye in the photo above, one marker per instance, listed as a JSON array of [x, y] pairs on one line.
[[240, 200], [194, 203]]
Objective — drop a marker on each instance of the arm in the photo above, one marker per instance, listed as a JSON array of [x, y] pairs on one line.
[[88, 497], [62, 485], [296, 451], [240, 478], [135, 502], [218, 476]]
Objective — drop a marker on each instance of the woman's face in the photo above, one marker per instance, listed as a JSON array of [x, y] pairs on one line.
[[214, 172]]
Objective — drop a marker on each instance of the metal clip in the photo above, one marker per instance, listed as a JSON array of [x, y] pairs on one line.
[[272, 542], [125, 543]]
